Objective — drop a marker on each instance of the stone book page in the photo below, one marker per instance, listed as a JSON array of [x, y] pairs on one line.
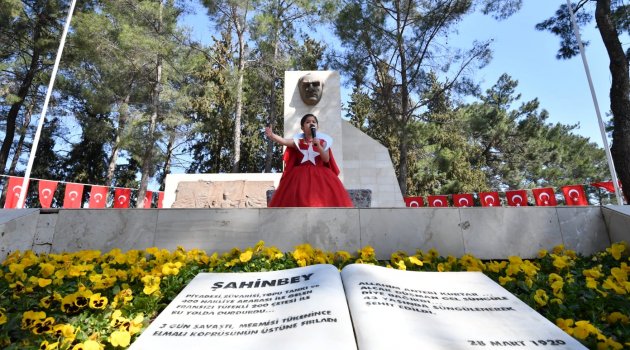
[[393, 309], [302, 308]]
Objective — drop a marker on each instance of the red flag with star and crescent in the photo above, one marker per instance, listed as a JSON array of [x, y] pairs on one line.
[[438, 201], [46, 190], [545, 197], [148, 198], [14, 188], [574, 195], [122, 198], [516, 198], [489, 199], [98, 196], [160, 199], [73, 196], [463, 200], [607, 185], [414, 202]]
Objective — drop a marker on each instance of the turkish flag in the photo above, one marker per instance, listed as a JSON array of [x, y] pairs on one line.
[[160, 199], [516, 198], [414, 202], [438, 201], [489, 199], [463, 200], [121, 197], [73, 196], [98, 196], [46, 191], [607, 185], [574, 195], [545, 197], [14, 188], [148, 198]]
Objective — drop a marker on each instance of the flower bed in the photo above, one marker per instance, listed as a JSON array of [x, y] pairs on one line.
[[89, 300]]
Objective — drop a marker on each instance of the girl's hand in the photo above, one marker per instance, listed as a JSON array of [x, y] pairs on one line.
[[268, 131]]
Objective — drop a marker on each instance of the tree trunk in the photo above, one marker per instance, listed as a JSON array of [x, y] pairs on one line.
[[272, 102], [20, 144], [147, 163], [619, 93], [25, 86], [167, 162], [122, 122], [240, 29]]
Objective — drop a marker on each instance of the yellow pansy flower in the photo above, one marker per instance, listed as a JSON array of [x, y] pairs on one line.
[[30, 317], [43, 282], [120, 338], [583, 329], [565, 324], [616, 249], [88, 345], [401, 265], [367, 253], [505, 279], [46, 269], [591, 283], [44, 326], [171, 268], [151, 284], [3, 316], [246, 256], [542, 253], [97, 301], [541, 297], [617, 316], [63, 330], [45, 345], [415, 261]]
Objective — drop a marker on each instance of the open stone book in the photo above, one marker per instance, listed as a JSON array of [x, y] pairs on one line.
[[364, 307]]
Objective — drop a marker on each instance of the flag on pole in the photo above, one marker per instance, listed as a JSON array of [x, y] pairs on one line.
[[414, 202], [73, 196], [160, 199], [545, 197], [438, 201], [516, 198], [463, 200], [46, 190], [14, 188], [607, 185], [98, 197], [148, 198], [121, 197], [489, 199], [574, 195]]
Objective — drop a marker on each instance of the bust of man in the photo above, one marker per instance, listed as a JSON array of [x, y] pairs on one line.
[[311, 89]]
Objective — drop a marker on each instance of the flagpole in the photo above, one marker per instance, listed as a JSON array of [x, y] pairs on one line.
[[42, 118], [602, 129]]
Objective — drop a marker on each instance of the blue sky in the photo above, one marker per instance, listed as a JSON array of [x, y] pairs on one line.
[[528, 56]]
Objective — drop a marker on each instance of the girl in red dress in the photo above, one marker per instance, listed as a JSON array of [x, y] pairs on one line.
[[310, 172]]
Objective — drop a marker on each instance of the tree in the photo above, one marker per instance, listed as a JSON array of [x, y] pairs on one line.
[[29, 37], [612, 18], [400, 42]]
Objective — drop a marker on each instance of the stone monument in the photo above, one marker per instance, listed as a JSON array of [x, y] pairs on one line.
[[365, 164]]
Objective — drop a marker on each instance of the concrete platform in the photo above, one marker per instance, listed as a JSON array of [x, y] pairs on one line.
[[487, 233]]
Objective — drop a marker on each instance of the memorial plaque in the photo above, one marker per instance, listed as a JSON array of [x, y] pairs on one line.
[[310, 308]]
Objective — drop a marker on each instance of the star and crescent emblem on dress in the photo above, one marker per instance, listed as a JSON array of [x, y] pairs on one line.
[[309, 154]]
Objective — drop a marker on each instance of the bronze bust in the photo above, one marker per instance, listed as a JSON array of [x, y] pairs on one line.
[[311, 89]]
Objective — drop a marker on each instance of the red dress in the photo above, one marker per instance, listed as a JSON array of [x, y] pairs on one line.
[[308, 184]]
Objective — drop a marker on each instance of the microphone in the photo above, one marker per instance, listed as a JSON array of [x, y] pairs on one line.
[[313, 131]]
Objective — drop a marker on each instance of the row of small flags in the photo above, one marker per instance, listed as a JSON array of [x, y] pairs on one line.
[[544, 197], [74, 194]]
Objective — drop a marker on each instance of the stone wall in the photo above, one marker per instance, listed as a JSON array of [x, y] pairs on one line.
[[487, 233]]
